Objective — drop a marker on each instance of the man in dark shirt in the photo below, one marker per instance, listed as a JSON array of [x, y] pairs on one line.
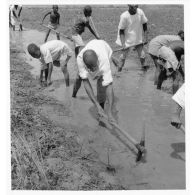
[[77, 30], [54, 21]]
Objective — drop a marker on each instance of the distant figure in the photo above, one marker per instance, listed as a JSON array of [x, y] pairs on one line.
[[179, 99], [169, 63], [14, 16], [77, 29], [156, 43], [94, 61], [55, 53], [132, 25], [54, 21]]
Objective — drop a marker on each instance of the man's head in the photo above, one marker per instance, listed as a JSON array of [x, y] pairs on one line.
[[55, 8], [132, 9], [181, 34], [87, 11], [91, 60], [34, 50]]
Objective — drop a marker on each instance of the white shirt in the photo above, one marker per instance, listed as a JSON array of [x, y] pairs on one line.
[[53, 50], [179, 96], [103, 52], [159, 41], [169, 55], [133, 26]]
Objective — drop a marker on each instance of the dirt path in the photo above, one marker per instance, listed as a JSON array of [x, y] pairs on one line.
[[137, 101]]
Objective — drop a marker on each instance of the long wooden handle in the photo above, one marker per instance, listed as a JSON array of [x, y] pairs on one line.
[[120, 49], [94, 27], [65, 36], [111, 125]]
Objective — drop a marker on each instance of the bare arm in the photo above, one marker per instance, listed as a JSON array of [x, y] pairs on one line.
[[91, 30], [91, 95], [19, 12], [50, 69], [122, 37], [145, 29], [67, 59], [14, 14], [45, 16]]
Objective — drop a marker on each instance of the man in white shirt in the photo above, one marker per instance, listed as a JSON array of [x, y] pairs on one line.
[[14, 16], [155, 45], [179, 99], [51, 53], [130, 33], [94, 60]]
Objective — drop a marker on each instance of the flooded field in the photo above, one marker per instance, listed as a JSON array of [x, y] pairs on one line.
[[138, 105]]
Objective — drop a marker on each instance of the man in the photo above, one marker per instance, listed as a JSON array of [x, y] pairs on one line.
[[130, 34], [54, 21], [51, 53], [77, 30], [169, 63], [156, 43], [14, 16], [179, 99], [94, 61]]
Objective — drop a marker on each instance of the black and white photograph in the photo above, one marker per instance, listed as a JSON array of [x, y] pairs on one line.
[[97, 96]]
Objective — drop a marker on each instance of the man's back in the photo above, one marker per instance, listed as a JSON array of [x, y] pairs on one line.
[[178, 48], [159, 41]]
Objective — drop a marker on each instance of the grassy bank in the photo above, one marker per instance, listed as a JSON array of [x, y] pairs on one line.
[[45, 155]]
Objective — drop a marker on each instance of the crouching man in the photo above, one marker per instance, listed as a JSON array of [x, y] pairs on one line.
[[169, 58], [51, 53], [94, 60]]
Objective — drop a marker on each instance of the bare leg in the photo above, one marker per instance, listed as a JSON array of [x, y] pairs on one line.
[[175, 82], [162, 76], [46, 37], [141, 54], [101, 93], [58, 36], [21, 27], [46, 74], [66, 74], [78, 80]]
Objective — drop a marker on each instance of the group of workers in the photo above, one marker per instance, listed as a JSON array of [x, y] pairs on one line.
[[94, 58]]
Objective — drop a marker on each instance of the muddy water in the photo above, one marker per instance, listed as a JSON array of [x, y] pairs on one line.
[[139, 106]]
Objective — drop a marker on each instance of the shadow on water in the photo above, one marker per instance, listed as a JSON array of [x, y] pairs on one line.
[[178, 148]]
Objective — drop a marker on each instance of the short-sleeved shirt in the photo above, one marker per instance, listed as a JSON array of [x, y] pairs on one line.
[[53, 50], [179, 96], [133, 26], [104, 53], [159, 41], [79, 26], [168, 54]]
